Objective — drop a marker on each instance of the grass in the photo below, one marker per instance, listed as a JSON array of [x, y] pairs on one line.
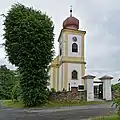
[[112, 117], [69, 103], [10, 103]]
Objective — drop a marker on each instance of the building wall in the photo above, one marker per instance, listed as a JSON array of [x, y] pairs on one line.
[[77, 67], [51, 77], [65, 71], [61, 77], [67, 37], [72, 57], [90, 89], [64, 76], [78, 42], [54, 78], [57, 84], [56, 71], [62, 46], [107, 90]]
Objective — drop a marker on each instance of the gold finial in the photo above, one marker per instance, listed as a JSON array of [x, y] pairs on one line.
[[71, 10]]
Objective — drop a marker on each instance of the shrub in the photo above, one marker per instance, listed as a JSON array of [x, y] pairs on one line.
[[53, 90], [117, 100]]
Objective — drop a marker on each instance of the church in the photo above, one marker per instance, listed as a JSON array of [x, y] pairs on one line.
[[67, 71], [68, 68]]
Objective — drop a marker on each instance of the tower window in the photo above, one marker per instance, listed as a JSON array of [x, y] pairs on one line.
[[74, 47], [74, 74]]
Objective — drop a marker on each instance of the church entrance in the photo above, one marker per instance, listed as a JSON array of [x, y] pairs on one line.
[[98, 90], [74, 89]]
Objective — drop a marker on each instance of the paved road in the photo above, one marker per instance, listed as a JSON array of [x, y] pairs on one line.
[[64, 113]]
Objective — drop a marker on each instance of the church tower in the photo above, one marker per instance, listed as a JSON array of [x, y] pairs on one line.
[[68, 67]]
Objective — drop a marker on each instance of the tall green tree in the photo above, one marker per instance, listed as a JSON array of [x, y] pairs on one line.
[[29, 40]]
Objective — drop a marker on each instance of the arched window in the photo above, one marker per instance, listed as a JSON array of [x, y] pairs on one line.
[[74, 74], [74, 47]]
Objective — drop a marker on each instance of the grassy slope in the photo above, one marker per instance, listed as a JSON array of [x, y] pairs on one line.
[[9, 103]]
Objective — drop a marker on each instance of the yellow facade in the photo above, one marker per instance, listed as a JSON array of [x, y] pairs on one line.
[[57, 62]]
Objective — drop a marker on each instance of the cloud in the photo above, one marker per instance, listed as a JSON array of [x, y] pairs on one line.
[[100, 19], [4, 61]]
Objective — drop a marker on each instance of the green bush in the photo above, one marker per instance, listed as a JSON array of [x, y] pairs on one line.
[[7, 79], [117, 100], [53, 90]]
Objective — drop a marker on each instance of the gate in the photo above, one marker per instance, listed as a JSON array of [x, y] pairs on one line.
[[98, 90], [101, 91]]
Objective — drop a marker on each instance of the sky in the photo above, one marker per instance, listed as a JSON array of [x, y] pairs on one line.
[[99, 18]]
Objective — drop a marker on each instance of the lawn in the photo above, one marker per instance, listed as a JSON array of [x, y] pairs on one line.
[[9, 103], [113, 117]]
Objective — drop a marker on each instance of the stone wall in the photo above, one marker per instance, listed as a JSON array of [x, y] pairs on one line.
[[61, 96]]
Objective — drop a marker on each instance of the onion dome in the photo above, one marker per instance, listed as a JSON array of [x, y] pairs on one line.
[[71, 22]]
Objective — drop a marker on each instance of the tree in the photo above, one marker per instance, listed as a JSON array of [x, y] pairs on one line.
[[7, 80], [115, 87], [29, 42], [116, 102], [16, 90]]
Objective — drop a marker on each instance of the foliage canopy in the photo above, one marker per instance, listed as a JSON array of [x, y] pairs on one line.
[[29, 45], [116, 89]]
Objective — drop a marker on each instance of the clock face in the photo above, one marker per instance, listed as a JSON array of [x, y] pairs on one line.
[[74, 39]]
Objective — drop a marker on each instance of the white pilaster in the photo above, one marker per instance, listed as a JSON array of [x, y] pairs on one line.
[[107, 93], [103, 90], [89, 87]]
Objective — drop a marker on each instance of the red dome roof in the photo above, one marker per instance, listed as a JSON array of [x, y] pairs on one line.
[[71, 23]]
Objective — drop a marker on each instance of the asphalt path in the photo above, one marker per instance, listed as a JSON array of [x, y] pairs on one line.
[[63, 113]]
